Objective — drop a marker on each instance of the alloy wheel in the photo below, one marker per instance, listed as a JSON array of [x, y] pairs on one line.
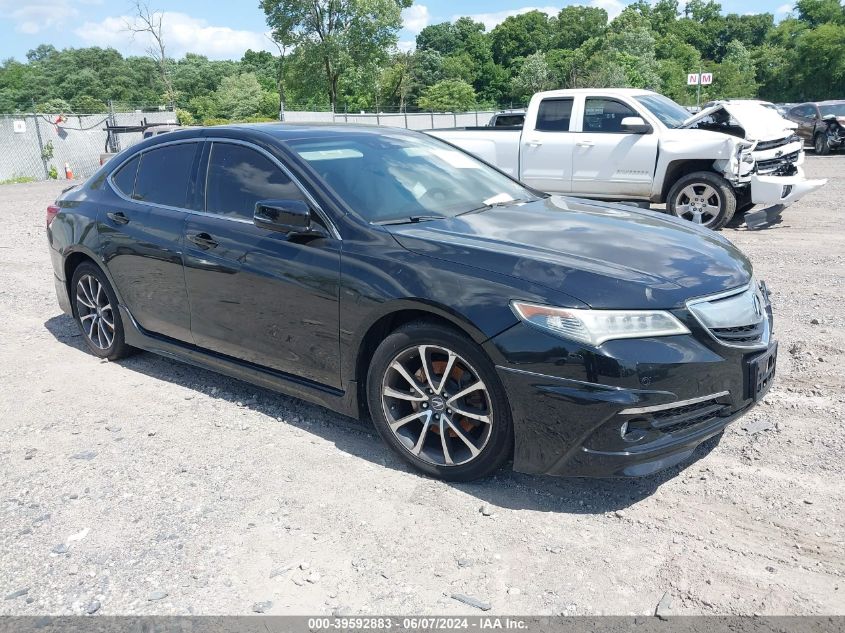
[[95, 311], [436, 405], [699, 203]]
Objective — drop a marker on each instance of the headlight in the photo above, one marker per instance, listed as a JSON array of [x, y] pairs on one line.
[[594, 327]]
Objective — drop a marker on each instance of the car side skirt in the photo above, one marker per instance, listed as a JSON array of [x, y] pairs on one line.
[[344, 402]]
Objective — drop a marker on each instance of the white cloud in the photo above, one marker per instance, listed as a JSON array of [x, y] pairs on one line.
[[182, 34], [490, 20], [783, 9], [406, 46], [613, 7], [415, 18], [35, 16]]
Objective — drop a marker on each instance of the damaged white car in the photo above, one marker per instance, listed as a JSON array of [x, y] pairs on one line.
[[627, 144]]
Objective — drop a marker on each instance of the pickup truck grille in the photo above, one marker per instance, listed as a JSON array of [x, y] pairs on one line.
[[780, 142], [779, 166]]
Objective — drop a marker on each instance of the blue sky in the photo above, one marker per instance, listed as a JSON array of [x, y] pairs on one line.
[[226, 28]]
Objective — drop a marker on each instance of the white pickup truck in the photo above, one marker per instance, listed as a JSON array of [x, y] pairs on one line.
[[627, 144]]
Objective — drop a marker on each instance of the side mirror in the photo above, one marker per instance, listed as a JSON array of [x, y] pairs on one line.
[[829, 117], [286, 216], [635, 125]]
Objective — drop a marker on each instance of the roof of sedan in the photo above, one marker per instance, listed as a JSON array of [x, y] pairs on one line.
[[290, 131]]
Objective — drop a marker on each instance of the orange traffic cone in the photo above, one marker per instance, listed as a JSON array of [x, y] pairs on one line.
[[68, 172]]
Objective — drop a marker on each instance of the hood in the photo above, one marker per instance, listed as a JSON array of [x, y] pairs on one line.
[[604, 255], [759, 122]]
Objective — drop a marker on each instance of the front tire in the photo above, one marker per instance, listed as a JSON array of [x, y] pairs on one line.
[[704, 198], [96, 313], [820, 144], [436, 400]]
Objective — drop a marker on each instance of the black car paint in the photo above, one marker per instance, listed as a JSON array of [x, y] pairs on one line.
[[316, 307]]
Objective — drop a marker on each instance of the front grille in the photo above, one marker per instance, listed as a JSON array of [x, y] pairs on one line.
[[683, 417], [780, 142], [740, 333], [780, 164], [738, 318]]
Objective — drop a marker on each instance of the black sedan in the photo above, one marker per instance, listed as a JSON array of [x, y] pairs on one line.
[[383, 273]]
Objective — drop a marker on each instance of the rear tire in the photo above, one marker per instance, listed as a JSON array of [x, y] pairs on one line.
[[821, 145], [453, 421], [96, 313], [704, 198]]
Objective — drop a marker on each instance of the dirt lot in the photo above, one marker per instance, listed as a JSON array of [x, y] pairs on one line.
[[148, 486]]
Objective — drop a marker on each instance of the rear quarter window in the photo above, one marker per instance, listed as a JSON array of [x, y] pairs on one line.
[[124, 178]]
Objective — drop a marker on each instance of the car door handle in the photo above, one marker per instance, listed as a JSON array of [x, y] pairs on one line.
[[534, 143], [585, 143], [203, 240], [118, 217]]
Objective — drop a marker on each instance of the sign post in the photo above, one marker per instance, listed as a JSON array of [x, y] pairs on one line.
[[699, 79]]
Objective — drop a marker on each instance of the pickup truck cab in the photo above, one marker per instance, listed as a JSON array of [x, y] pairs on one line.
[[628, 144]]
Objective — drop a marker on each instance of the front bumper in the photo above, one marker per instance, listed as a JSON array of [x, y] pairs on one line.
[[628, 408], [782, 190]]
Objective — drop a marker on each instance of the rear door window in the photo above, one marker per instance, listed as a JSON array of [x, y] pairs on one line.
[[239, 176], [605, 115], [164, 174], [554, 115], [124, 178]]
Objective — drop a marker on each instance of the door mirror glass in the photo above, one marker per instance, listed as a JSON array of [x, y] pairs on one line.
[[286, 216], [635, 125]]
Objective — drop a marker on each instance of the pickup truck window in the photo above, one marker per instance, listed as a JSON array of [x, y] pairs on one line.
[[554, 115], [670, 113], [387, 178], [605, 115]]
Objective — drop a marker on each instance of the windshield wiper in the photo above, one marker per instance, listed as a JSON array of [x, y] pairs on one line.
[[412, 219], [485, 207]]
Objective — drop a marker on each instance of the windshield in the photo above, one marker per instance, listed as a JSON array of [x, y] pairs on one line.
[[670, 113], [395, 177], [836, 109]]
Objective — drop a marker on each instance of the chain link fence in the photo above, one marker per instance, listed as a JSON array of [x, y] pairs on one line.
[[39, 146]]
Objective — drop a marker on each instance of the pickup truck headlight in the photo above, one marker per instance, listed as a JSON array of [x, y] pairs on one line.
[[594, 327]]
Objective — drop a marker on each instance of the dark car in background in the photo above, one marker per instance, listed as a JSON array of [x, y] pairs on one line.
[[821, 124], [386, 274], [508, 119]]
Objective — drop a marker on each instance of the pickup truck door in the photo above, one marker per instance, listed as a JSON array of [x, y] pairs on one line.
[[607, 161], [545, 151]]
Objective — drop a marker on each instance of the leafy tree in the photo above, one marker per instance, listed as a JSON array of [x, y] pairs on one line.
[[448, 95], [239, 96], [735, 77], [534, 75], [575, 25], [86, 104], [818, 12], [519, 36], [341, 33]]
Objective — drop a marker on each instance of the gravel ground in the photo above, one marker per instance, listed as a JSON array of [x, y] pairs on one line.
[[150, 487]]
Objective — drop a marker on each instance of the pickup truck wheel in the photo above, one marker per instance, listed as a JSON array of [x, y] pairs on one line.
[[821, 145], [704, 198]]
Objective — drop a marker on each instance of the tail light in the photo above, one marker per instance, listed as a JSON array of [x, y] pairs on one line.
[[52, 212]]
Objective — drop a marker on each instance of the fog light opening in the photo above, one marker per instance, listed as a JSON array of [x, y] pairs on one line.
[[634, 430], [787, 189]]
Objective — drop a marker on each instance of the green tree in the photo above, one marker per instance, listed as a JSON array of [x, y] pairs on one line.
[[340, 33], [576, 24], [239, 97], [736, 76], [520, 36], [534, 75], [451, 95], [818, 12]]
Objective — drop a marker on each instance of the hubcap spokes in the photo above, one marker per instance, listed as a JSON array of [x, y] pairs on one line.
[[95, 311], [698, 203], [436, 405]]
